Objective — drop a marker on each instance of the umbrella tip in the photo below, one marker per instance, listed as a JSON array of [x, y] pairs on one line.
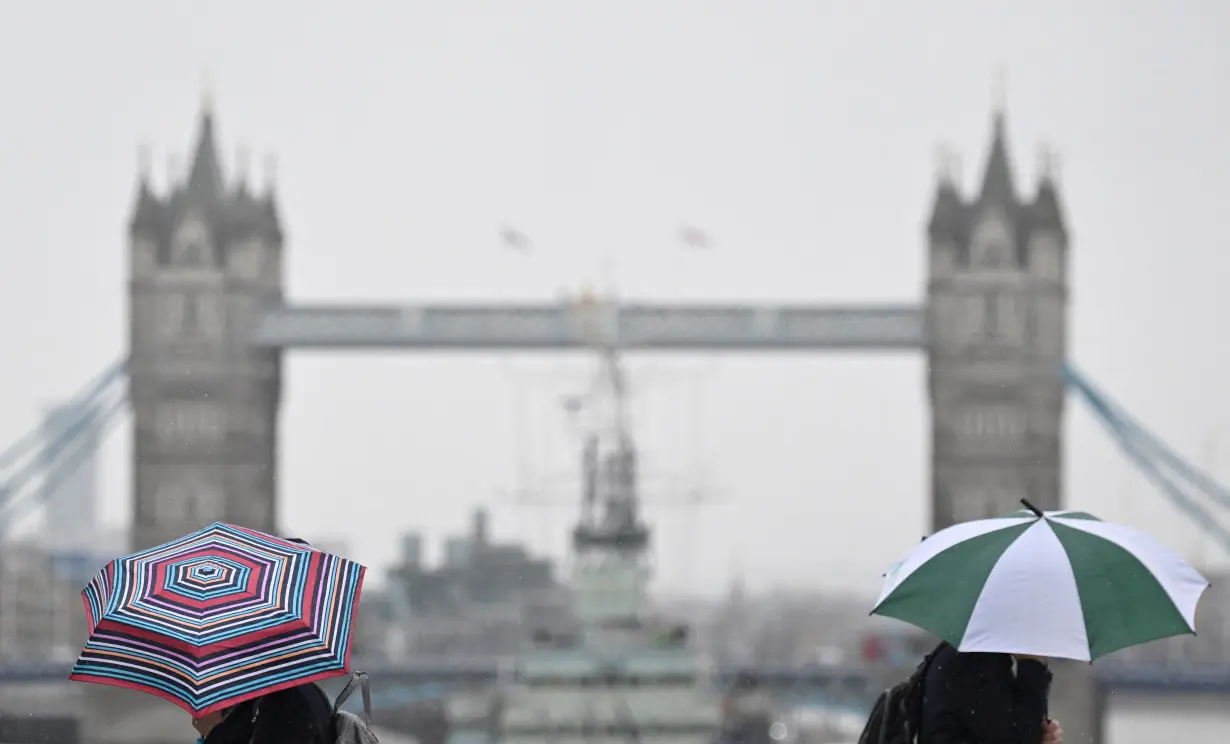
[[1032, 508]]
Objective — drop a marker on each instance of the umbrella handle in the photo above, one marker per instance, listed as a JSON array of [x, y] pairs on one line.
[[363, 682]]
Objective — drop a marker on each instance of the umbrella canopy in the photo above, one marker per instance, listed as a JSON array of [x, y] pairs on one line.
[[1061, 584], [223, 615]]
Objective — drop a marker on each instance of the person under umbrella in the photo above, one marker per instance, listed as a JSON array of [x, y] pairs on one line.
[[296, 715], [984, 698], [1005, 594], [230, 624]]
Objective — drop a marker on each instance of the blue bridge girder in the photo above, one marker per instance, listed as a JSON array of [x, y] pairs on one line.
[[1141, 677], [573, 325]]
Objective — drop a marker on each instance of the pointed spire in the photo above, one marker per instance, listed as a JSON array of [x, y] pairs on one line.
[[946, 214], [1048, 163], [1047, 213], [997, 182], [242, 160], [146, 210], [999, 90], [269, 199], [144, 164], [205, 175], [943, 163], [207, 95], [271, 174]]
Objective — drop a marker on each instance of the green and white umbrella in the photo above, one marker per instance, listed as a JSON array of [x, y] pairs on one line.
[[1060, 584]]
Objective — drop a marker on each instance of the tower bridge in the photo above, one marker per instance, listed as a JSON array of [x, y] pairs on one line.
[[209, 324]]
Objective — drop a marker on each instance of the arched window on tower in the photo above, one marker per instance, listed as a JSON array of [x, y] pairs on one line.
[[203, 313], [247, 260], [1046, 256], [991, 248], [971, 318], [191, 248], [991, 427], [1011, 318], [186, 423], [192, 254]]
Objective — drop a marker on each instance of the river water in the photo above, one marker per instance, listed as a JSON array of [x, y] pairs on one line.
[[1165, 719]]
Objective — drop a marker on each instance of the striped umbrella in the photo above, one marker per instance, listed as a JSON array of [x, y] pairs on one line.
[[1061, 584], [220, 616]]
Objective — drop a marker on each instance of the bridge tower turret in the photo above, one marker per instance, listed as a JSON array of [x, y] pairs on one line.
[[997, 335], [205, 257]]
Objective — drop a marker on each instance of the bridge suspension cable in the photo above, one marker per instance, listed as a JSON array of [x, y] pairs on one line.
[[21, 448], [99, 404], [1149, 441], [76, 445], [1171, 474], [94, 410]]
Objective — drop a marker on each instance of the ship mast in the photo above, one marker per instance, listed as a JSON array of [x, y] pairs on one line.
[[610, 542]]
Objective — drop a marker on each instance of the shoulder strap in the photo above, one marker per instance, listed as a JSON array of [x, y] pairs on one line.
[[911, 699], [256, 712], [357, 680], [925, 666]]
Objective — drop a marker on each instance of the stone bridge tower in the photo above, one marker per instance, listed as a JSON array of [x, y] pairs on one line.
[[205, 257], [997, 335]]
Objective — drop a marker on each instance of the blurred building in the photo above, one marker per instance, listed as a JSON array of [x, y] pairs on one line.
[[40, 609], [76, 565], [71, 517], [783, 629], [205, 259], [727, 633], [334, 546], [484, 598], [375, 628]]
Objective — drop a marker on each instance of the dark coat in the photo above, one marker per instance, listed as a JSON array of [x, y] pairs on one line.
[[974, 698], [298, 715]]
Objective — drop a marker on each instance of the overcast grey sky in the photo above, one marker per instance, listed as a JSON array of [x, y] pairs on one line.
[[800, 134]]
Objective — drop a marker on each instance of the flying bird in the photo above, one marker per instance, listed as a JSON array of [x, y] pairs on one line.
[[515, 239], [572, 404], [693, 237]]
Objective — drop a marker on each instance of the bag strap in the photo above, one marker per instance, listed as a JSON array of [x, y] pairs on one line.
[[925, 666], [886, 713], [256, 713], [361, 681]]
